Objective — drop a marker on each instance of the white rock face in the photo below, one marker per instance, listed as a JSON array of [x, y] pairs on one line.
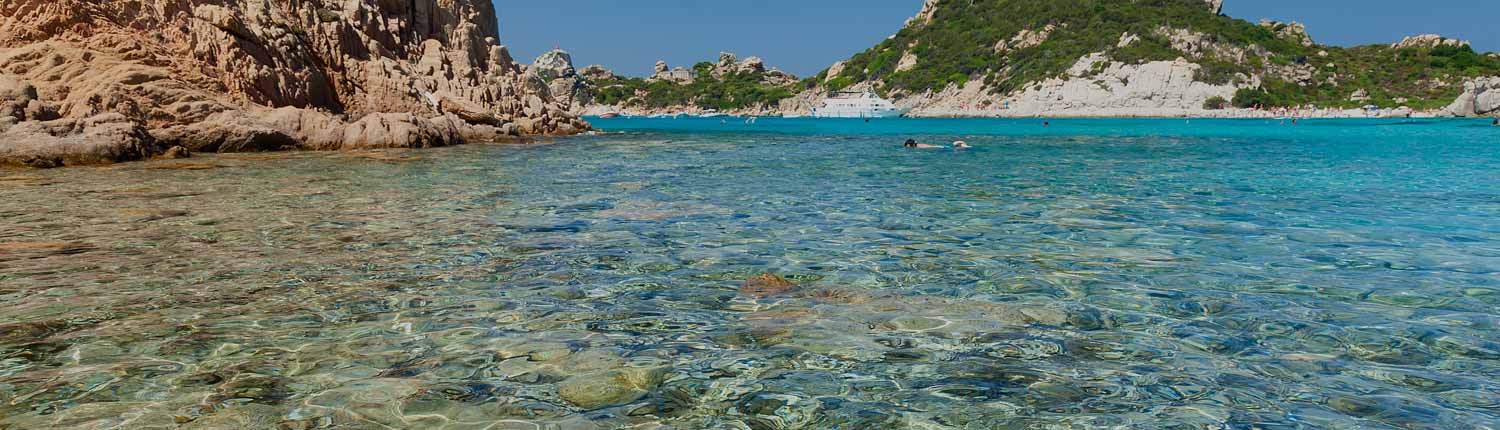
[[1160, 88], [1216, 5], [1481, 97], [836, 69], [908, 62]]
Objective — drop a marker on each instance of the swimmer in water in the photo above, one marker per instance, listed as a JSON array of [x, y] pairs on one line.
[[961, 145], [1496, 123], [1046, 123], [913, 144]]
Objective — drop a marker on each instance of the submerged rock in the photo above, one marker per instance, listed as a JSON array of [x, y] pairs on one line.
[[610, 388], [766, 285]]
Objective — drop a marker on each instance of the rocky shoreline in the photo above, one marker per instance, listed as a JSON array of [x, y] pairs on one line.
[[130, 80]]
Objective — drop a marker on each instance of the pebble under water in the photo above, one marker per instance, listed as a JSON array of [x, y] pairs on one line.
[[1130, 274]]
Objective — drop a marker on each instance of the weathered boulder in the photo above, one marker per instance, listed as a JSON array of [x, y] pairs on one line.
[[753, 64], [1481, 97], [554, 64], [101, 139]]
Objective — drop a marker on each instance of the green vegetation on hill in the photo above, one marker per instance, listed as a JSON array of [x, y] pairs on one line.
[[734, 90], [958, 45]]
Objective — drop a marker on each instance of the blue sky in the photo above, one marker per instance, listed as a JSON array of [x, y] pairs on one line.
[[805, 36]]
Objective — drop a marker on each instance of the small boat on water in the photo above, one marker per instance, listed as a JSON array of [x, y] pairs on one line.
[[791, 116], [856, 104], [610, 115], [711, 115]]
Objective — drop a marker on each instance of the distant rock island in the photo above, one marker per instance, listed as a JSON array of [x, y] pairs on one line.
[[99, 82], [728, 85], [1074, 58]]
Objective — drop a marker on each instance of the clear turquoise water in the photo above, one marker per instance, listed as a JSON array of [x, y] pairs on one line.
[[1153, 274]]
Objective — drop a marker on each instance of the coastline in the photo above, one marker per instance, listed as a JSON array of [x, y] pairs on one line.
[[599, 111]]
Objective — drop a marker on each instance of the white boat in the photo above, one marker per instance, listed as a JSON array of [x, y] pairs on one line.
[[855, 104]]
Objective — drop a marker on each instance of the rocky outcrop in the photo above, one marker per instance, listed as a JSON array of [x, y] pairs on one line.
[[678, 75], [563, 81], [101, 139], [1481, 97], [1216, 5], [1201, 45], [1025, 39], [1428, 41], [728, 66], [1289, 30], [174, 63], [924, 16], [597, 72], [33, 134]]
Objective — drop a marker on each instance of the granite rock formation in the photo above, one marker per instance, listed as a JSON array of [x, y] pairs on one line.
[[563, 81], [1428, 41], [1481, 97], [230, 68]]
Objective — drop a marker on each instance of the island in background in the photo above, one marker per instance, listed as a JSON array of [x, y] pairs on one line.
[[1076, 58]]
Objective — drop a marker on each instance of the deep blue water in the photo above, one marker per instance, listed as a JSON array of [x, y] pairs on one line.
[[1151, 274]]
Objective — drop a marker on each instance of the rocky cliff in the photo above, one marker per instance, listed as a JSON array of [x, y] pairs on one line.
[[1161, 58], [233, 75]]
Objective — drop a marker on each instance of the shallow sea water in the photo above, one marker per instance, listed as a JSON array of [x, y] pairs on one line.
[[1151, 274]]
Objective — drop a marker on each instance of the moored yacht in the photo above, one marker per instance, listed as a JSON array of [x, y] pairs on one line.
[[856, 104]]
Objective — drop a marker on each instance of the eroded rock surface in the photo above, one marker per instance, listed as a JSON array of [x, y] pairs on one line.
[[419, 69]]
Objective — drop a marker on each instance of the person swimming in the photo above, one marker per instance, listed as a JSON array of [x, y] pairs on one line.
[[959, 144], [911, 143], [1497, 122]]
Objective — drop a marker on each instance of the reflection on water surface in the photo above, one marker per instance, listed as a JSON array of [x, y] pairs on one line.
[[1348, 279]]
